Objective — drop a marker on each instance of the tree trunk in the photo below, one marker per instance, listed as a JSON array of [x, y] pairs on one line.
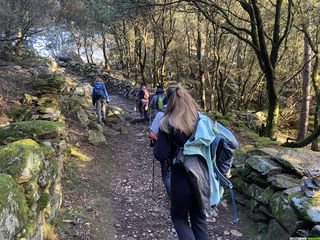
[[305, 103], [273, 106], [105, 55], [200, 68], [315, 145], [19, 43], [154, 59]]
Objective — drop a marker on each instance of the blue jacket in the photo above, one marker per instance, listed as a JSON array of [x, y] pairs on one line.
[[94, 92], [200, 145]]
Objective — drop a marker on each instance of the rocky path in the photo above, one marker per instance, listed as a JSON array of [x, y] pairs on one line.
[[109, 195]]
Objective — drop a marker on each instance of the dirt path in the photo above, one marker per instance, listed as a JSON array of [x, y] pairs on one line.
[[110, 196]]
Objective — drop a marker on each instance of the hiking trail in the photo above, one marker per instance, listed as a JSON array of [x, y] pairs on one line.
[[108, 195]]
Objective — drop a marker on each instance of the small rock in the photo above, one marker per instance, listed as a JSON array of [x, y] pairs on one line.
[[236, 233], [117, 225], [211, 220], [227, 233], [224, 203]]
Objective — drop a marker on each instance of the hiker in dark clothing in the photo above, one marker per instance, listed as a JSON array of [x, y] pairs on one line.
[[157, 101], [100, 98], [165, 167], [143, 103], [176, 127]]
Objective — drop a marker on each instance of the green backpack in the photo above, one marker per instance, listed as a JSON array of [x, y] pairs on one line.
[[159, 102]]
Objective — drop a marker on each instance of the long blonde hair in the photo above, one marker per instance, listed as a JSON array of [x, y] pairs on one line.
[[181, 112]]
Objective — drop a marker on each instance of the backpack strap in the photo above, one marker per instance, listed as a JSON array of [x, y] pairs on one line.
[[225, 182]]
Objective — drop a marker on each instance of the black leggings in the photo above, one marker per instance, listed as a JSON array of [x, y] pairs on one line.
[[183, 205]]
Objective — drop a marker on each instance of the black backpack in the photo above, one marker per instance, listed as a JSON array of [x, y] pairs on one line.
[[223, 151]]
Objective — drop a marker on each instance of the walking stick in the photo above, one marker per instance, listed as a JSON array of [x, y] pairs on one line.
[[152, 190]]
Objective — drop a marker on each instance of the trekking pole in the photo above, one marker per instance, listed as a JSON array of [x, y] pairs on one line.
[[152, 190]]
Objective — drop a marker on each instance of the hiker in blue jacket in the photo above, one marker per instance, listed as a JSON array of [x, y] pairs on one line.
[[100, 98], [176, 127]]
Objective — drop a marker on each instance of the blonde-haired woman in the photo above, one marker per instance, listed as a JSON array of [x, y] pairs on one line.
[[176, 127]]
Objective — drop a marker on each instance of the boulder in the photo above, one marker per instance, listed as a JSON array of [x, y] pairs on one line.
[[284, 181], [13, 208], [283, 212], [82, 116], [257, 179], [241, 186], [308, 208], [83, 90], [37, 130], [49, 83], [255, 192], [242, 170], [266, 195], [96, 137], [302, 161], [23, 160], [263, 165], [92, 125]]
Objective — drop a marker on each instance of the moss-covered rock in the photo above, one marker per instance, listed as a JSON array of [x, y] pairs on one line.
[[263, 165], [92, 125], [257, 179], [82, 116], [37, 130], [31, 190], [241, 186], [308, 208], [96, 137], [266, 195], [284, 181], [13, 208], [19, 113], [283, 212], [241, 170], [22, 159], [44, 199], [302, 161], [255, 192], [48, 83], [54, 203]]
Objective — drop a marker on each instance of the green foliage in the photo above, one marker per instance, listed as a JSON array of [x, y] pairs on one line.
[[259, 141], [224, 122], [241, 151], [239, 124], [43, 200], [19, 113]]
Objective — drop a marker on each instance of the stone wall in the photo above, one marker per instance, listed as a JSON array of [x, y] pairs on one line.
[[281, 187], [32, 152], [90, 71]]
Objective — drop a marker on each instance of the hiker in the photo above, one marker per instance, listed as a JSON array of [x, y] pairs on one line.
[[157, 101], [165, 167], [176, 126], [143, 105], [100, 98]]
